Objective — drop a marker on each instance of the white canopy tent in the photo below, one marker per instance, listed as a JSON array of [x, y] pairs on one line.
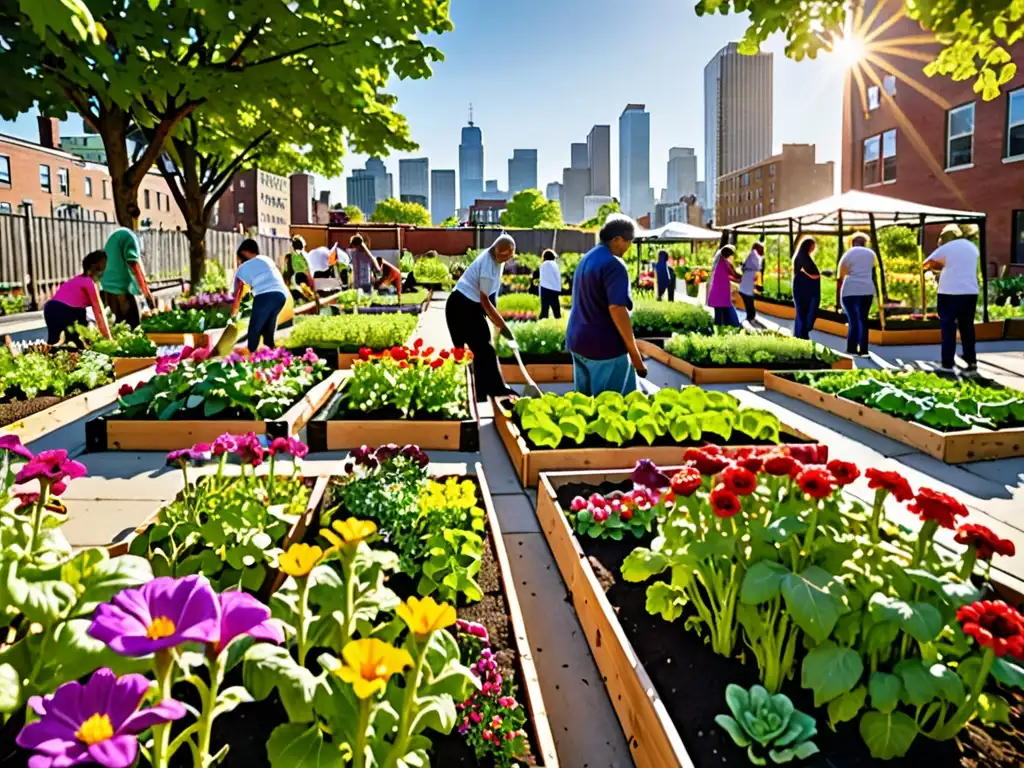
[[676, 232]]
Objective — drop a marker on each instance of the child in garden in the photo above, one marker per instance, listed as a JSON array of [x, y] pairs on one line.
[[69, 303]]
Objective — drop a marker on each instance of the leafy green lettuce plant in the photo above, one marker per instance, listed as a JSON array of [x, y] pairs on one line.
[[745, 348], [126, 341], [350, 333], [767, 722], [663, 318], [59, 373], [537, 337]]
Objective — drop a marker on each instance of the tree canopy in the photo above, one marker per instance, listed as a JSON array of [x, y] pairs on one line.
[[975, 34], [451, 221], [355, 215], [392, 211], [529, 209], [606, 210]]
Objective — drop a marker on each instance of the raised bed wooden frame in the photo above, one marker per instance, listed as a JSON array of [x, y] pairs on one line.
[[699, 375], [103, 434], [124, 366], [951, 447], [541, 373], [326, 434], [529, 464]]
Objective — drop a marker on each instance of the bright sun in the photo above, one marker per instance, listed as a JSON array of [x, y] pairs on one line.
[[849, 49]]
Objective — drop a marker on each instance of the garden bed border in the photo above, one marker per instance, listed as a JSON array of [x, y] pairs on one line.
[[541, 373], [950, 447]]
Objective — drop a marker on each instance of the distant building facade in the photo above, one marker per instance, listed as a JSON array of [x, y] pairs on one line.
[[442, 195], [307, 208], [256, 202], [681, 174], [522, 170], [471, 165], [88, 147], [635, 194], [361, 191], [575, 187], [592, 205], [553, 191], [384, 184], [579, 156], [487, 211], [599, 158], [414, 181]]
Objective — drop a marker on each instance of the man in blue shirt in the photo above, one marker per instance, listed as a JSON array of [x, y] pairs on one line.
[[600, 334]]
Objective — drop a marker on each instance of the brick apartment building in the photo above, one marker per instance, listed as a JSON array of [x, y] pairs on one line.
[[950, 148], [62, 185], [777, 183], [307, 206], [258, 202]]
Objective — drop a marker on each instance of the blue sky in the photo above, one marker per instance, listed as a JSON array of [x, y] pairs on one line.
[[540, 73]]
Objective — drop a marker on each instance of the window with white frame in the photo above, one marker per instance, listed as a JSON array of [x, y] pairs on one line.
[[873, 98], [62, 180], [241, 207], [960, 136], [5, 169], [1014, 124], [44, 178], [872, 150], [6, 208], [889, 155], [889, 84], [88, 186]]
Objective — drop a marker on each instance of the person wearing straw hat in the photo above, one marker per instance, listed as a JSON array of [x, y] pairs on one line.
[[956, 261]]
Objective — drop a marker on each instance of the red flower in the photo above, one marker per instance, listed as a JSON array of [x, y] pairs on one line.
[[428, 351], [751, 463], [984, 541], [814, 453], [795, 470], [940, 507], [740, 481], [724, 502], [417, 344], [686, 481], [445, 354], [364, 353], [626, 513], [816, 482], [399, 353], [845, 472], [437, 363], [124, 390], [779, 465], [403, 364], [706, 461], [996, 625], [458, 353], [893, 482]]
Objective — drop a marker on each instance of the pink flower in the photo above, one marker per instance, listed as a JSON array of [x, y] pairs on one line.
[[50, 467]]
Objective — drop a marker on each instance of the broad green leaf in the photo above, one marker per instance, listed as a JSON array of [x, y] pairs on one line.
[[847, 706], [885, 691], [919, 685], [993, 709], [922, 621], [830, 671], [642, 563], [1008, 673], [762, 582], [302, 745], [734, 729], [10, 689], [267, 667], [810, 605], [888, 735], [665, 600]]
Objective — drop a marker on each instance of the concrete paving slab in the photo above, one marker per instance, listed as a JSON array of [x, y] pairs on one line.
[[1006, 472], [97, 522], [516, 514], [586, 730], [981, 491], [130, 476], [501, 475]]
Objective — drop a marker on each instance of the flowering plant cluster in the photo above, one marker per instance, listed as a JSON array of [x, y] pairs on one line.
[[410, 382], [766, 548], [197, 319], [205, 300], [193, 386]]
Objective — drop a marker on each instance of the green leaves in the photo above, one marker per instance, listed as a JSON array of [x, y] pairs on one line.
[[529, 209], [641, 564], [302, 745], [922, 621], [809, 600], [830, 671], [742, 348], [349, 333], [888, 735], [762, 581], [885, 691], [268, 667]]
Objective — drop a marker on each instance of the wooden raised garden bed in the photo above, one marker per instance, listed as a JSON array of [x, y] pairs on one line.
[[1013, 328], [116, 434], [194, 340], [722, 375], [951, 447], [558, 372], [327, 433], [529, 463], [124, 366]]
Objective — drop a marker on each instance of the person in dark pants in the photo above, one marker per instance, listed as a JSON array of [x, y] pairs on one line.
[[748, 277], [468, 308], [270, 293], [857, 291], [806, 288], [666, 277], [956, 261], [124, 278], [68, 305], [550, 285]]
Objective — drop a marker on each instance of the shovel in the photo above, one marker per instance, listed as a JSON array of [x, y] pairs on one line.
[[530, 389]]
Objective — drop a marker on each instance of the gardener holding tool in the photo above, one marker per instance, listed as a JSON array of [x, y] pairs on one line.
[[956, 261], [69, 303], [600, 334], [270, 293], [123, 278], [469, 307]]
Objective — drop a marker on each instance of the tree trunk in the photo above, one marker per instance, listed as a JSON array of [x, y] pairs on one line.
[[196, 252], [113, 127]]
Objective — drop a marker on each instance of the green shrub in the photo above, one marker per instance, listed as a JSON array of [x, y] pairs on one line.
[[537, 337], [351, 332], [663, 318], [126, 342], [430, 270], [744, 348], [518, 302]]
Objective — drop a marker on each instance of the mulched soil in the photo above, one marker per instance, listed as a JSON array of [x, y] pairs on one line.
[[681, 664], [15, 410]]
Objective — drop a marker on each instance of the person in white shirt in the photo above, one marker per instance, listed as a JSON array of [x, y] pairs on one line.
[[956, 261], [471, 304], [270, 293], [550, 284], [751, 266], [857, 291]]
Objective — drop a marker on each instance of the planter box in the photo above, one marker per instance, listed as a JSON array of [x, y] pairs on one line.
[[310, 307], [325, 433], [336, 361], [653, 739], [529, 463], [113, 434], [951, 447], [540, 372], [1013, 328], [700, 375], [127, 365], [194, 340], [43, 422]]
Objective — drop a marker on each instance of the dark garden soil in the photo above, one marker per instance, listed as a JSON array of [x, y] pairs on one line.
[[15, 410], [691, 680]]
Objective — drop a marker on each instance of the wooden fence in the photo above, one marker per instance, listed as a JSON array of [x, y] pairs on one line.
[[39, 253]]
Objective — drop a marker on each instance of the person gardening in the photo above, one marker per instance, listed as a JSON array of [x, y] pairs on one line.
[[123, 279], [389, 275], [599, 334], [363, 261], [956, 261], [270, 293], [68, 305], [471, 304], [297, 272]]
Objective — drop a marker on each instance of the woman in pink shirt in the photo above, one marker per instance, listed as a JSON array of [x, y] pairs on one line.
[[69, 303], [719, 291]]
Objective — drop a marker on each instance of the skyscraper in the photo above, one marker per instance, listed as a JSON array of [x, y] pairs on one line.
[[414, 181], [599, 158], [554, 192], [442, 195], [575, 187], [384, 186], [635, 194], [471, 164], [578, 155], [682, 174], [737, 113], [360, 191], [522, 170]]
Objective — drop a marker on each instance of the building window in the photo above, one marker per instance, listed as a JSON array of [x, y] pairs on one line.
[[757, 175], [746, 179], [106, 190], [889, 155], [167, 202], [146, 194], [241, 183], [960, 136], [889, 84], [5, 208], [5, 169], [771, 189], [62, 181], [771, 169], [44, 178], [872, 148], [1014, 126], [88, 187], [1017, 252], [873, 98], [241, 207]]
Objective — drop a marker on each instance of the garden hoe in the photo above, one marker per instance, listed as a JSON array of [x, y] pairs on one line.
[[530, 389]]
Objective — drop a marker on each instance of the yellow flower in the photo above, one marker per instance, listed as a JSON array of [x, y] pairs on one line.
[[425, 616], [349, 533], [368, 665], [300, 559]]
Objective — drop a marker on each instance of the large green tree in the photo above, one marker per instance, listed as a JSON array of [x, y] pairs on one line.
[[529, 209], [606, 210], [355, 215], [976, 35], [392, 211]]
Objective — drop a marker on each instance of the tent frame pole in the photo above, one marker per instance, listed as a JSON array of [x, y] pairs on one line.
[[839, 254], [982, 246], [879, 291], [920, 245]]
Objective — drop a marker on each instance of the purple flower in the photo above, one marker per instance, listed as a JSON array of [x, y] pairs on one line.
[[386, 452], [249, 449], [93, 723], [226, 443], [242, 614], [12, 444], [415, 453], [162, 614], [310, 357], [186, 456], [50, 467], [647, 474]]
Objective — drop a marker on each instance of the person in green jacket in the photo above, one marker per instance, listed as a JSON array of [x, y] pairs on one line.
[[124, 279]]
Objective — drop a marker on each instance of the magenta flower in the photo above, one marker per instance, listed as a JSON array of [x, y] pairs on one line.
[[50, 467], [249, 449], [415, 453], [647, 474], [242, 614], [226, 443], [310, 357], [12, 444], [201, 354], [161, 614], [186, 456], [93, 723], [290, 445]]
